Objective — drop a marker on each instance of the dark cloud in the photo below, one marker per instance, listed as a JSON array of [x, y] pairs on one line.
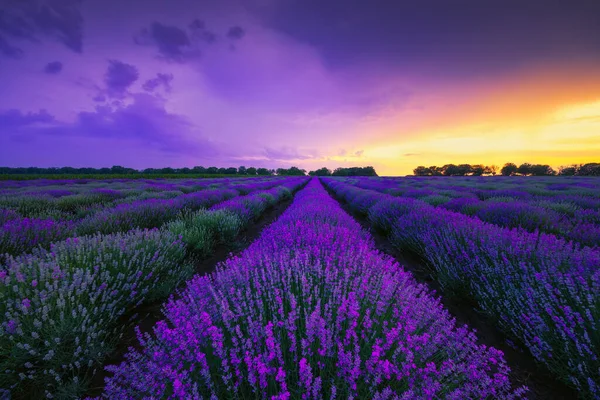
[[235, 33], [53, 67], [359, 153], [15, 119], [161, 79], [173, 43], [461, 37], [118, 77], [287, 153], [100, 98], [199, 32], [144, 120], [33, 20]]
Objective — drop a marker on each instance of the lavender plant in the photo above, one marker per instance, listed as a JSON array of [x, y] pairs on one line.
[[60, 307], [310, 310], [542, 290]]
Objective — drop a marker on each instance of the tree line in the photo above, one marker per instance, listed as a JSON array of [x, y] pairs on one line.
[[198, 170], [351, 171], [509, 169]]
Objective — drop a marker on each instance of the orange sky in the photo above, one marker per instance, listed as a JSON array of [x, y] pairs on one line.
[[547, 116]]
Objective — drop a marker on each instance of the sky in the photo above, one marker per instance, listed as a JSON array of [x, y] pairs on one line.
[[310, 83]]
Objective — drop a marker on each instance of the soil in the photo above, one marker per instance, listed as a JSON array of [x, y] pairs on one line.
[[524, 369], [147, 315]]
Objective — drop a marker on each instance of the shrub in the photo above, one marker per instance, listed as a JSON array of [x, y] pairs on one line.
[[60, 307]]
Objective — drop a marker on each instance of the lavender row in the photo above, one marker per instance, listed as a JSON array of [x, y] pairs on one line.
[[60, 307], [541, 290], [309, 311], [66, 203], [507, 209], [18, 235]]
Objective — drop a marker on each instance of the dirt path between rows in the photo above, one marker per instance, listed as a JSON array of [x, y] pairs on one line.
[[524, 369], [148, 315]]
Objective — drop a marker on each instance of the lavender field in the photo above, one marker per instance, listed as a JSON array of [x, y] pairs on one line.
[[311, 308]]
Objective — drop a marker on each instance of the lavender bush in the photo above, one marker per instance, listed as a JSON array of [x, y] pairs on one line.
[[202, 230], [541, 289], [60, 307], [23, 234], [310, 310]]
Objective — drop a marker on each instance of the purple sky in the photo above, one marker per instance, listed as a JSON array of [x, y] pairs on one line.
[[271, 83]]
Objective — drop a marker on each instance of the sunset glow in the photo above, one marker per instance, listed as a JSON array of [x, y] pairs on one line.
[[256, 83]]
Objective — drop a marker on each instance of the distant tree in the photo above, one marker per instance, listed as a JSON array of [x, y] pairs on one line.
[[212, 170], [589, 169], [422, 171], [231, 171], [199, 170], [293, 171], [541, 170], [355, 171], [450, 170], [570, 170], [493, 169], [509, 169], [477, 170], [263, 171], [321, 172], [222, 171], [436, 171], [251, 171], [525, 169], [242, 170]]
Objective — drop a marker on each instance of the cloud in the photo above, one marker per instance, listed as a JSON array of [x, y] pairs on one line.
[[359, 153], [33, 20], [53, 67], [15, 119], [286, 153], [145, 121], [235, 33], [198, 31], [161, 79], [173, 43], [342, 152], [118, 77], [411, 154], [436, 35]]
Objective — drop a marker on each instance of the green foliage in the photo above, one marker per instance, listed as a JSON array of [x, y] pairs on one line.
[[60, 308], [436, 200], [202, 230]]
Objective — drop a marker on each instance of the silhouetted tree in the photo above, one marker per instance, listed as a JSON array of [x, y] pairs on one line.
[[524, 169], [242, 170], [321, 172], [263, 171], [541, 170], [509, 169], [477, 170], [590, 169], [568, 171], [422, 171], [251, 171]]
